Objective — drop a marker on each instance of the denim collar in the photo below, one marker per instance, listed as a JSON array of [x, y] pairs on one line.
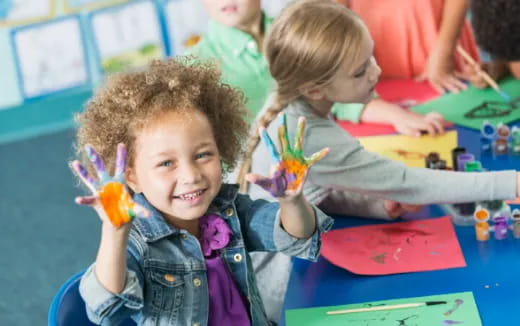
[[155, 227], [233, 39]]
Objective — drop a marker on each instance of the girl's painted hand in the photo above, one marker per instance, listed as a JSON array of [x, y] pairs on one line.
[[109, 196], [290, 166]]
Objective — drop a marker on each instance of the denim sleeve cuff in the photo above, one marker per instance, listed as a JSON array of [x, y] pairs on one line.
[[302, 248], [101, 302]]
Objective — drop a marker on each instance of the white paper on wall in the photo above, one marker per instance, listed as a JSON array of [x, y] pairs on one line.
[[15, 12], [187, 22], [127, 36], [273, 7], [51, 57], [78, 5]]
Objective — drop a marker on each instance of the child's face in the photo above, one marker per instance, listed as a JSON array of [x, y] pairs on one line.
[[356, 79], [177, 165], [233, 13]]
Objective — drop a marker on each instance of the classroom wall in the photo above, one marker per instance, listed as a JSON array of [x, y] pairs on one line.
[[26, 113]]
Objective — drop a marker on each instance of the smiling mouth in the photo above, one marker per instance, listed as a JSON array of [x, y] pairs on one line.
[[229, 9], [191, 195]]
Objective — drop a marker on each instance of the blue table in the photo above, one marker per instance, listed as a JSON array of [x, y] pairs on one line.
[[492, 272]]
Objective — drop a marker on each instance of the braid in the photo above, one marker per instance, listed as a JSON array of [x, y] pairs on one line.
[[254, 139]]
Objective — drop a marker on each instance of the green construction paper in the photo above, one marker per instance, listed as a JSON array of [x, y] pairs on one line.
[[454, 106], [465, 314]]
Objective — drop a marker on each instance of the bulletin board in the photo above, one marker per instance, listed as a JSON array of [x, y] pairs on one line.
[[50, 57], [127, 36], [20, 12], [186, 21], [74, 6]]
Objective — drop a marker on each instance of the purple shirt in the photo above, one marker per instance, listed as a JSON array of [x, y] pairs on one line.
[[227, 305]]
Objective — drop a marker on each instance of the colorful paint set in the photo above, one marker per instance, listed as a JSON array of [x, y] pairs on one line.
[[499, 139]]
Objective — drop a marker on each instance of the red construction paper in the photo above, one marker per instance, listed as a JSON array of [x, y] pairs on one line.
[[405, 92], [366, 129], [402, 247]]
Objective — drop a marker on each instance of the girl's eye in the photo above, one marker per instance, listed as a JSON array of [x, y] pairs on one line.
[[166, 163], [361, 73], [202, 155]]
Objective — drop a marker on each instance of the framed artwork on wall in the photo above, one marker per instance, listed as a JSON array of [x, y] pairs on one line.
[[50, 57], [73, 6], [20, 12], [186, 21], [127, 36]]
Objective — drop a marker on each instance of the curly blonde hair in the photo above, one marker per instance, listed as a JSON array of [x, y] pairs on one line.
[[129, 101]]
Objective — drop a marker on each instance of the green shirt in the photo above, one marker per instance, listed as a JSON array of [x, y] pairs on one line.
[[240, 59]]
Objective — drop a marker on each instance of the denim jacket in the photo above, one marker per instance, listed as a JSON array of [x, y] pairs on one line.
[[166, 273]]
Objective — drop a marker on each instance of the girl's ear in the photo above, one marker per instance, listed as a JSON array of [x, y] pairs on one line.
[[131, 180], [312, 92]]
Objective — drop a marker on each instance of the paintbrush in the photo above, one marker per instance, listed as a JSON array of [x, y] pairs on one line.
[[484, 74], [382, 308]]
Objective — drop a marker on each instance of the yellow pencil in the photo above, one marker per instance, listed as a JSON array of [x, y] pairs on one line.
[[484, 74]]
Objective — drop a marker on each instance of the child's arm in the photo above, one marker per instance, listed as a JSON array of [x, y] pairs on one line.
[[404, 121], [116, 210], [439, 68], [286, 182]]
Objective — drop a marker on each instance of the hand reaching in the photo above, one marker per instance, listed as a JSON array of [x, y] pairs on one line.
[[413, 124], [109, 196], [440, 72], [290, 168]]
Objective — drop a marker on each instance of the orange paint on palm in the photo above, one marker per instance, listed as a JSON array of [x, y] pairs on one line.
[[296, 168], [117, 203]]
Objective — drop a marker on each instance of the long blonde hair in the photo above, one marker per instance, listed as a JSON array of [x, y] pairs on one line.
[[306, 45]]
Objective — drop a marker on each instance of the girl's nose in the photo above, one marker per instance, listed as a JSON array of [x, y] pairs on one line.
[[375, 70], [190, 174]]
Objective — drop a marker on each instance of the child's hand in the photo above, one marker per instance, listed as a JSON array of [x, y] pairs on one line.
[[440, 72], [109, 196], [495, 69], [395, 209], [413, 124], [290, 169]]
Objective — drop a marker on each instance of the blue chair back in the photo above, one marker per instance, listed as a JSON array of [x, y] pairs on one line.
[[68, 308]]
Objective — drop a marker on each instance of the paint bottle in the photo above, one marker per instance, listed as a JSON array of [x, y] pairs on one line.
[[516, 223], [464, 158], [431, 160], [481, 216], [474, 166], [487, 134], [500, 227], [454, 156], [503, 133], [515, 140]]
